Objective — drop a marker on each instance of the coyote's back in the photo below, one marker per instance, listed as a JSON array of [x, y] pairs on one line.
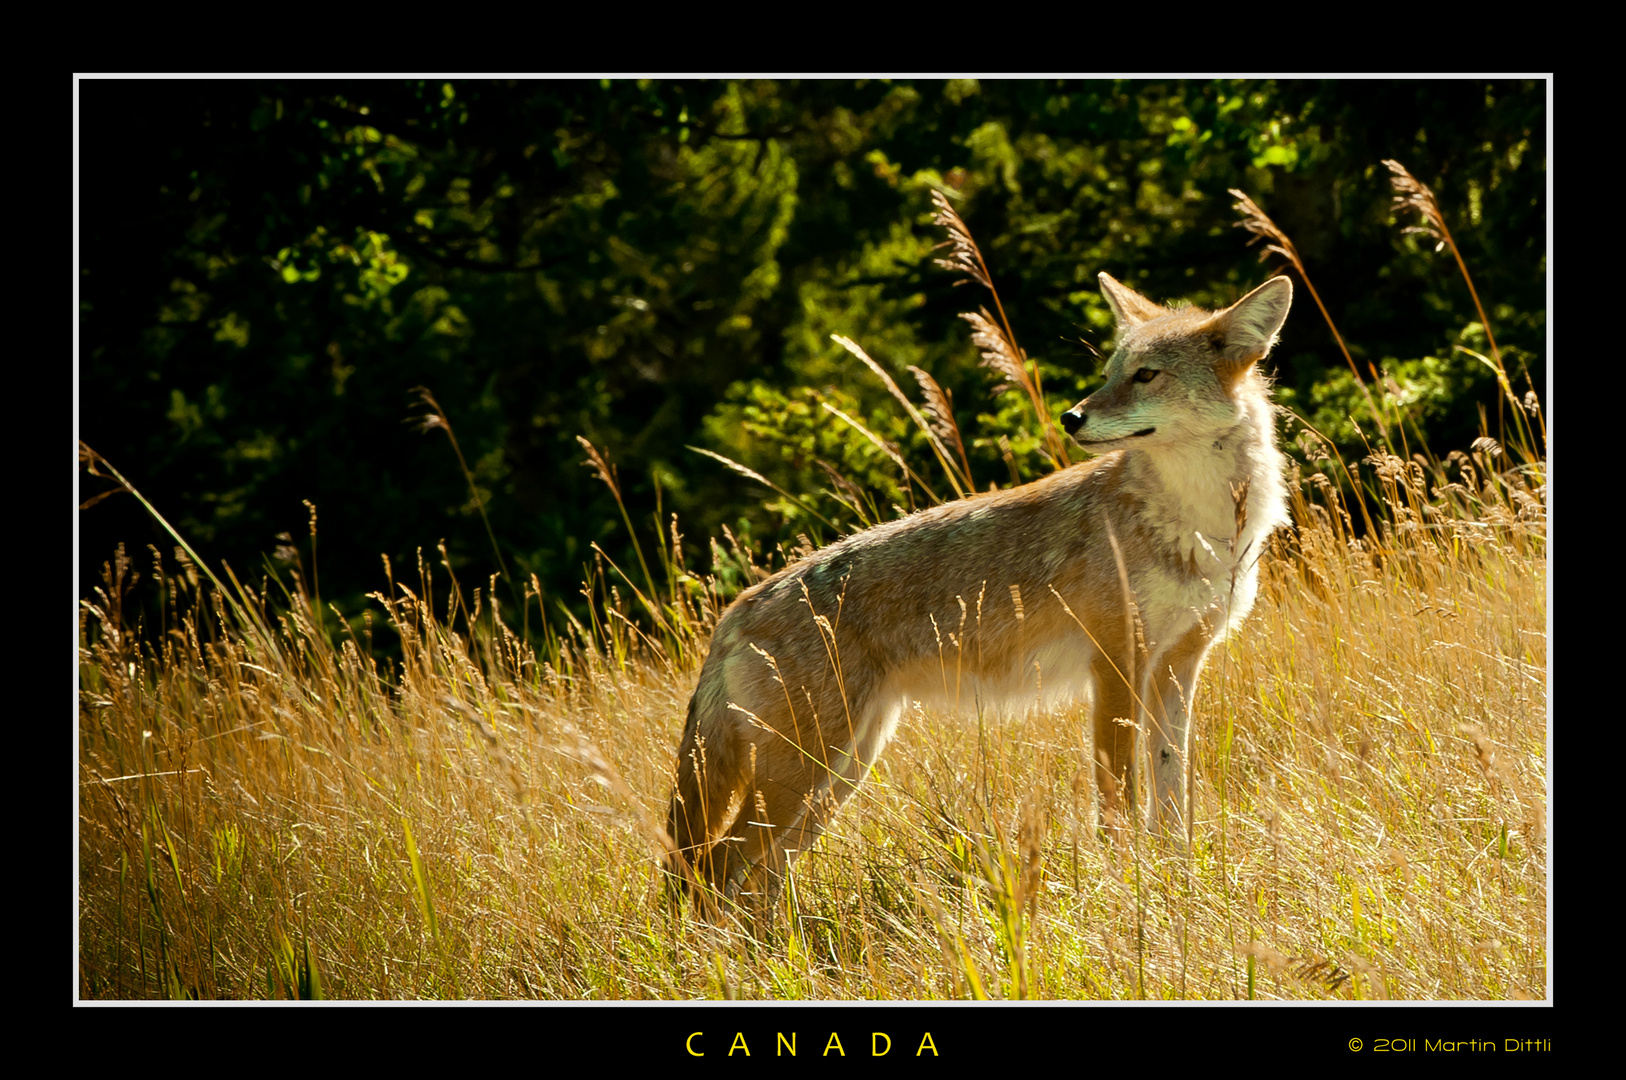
[[1005, 601]]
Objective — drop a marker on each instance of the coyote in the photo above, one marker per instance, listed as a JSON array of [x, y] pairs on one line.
[[1126, 567]]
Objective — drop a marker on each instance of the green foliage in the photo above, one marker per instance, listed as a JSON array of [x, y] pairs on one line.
[[268, 269]]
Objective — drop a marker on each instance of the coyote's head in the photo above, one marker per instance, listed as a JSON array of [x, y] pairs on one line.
[[1178, 375]]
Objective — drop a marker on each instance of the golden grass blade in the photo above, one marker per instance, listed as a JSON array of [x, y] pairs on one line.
[[940, 412], [914, 414], [764, 481], [964, 255], [998, 354], [92, 460], [606, 472], [847, 493], [1258, 222], [435, 419], [1411, 194], [998, 342], [883, 447]]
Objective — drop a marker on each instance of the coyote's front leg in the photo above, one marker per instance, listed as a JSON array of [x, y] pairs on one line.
[[1168, 734]]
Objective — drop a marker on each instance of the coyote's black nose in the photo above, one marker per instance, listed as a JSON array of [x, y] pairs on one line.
[[1072, 420]]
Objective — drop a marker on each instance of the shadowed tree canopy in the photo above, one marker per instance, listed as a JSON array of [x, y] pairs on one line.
[[269, 269]]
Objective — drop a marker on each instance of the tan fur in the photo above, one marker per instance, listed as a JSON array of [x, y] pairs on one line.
[[1002, 602]]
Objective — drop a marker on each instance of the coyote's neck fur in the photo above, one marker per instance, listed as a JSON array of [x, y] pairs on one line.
[[1188, 488]]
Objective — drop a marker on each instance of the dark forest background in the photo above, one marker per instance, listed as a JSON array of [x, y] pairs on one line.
[[269, 269]]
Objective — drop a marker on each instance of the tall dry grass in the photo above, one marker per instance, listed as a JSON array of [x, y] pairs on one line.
[[268, 810], [263, 811]]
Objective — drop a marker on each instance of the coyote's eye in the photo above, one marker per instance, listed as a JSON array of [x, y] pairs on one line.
[[1146, 374]]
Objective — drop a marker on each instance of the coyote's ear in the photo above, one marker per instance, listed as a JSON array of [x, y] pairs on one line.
[[1249, 326], [1128, 306]]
